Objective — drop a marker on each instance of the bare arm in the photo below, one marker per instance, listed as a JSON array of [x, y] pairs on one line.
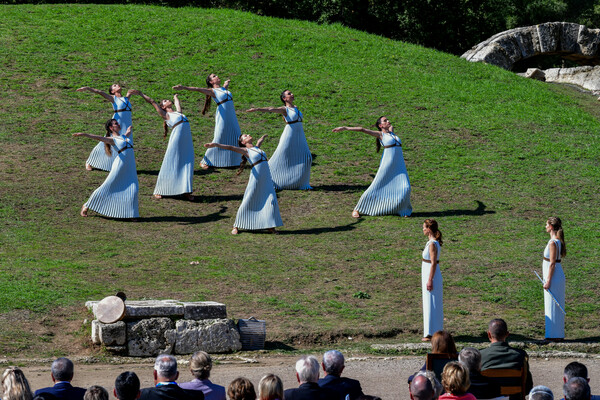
[[279, 110], [128, 133], [96, 137], [433, 258], [159, 110], [552, 266], [242, 150], [259, 141], [226, 84], [176, 102], [206, 91], [132, 91], [377, 134], [107, 96]]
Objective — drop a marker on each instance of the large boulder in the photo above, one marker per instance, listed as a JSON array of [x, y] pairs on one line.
[[212, 336], [150, 337]]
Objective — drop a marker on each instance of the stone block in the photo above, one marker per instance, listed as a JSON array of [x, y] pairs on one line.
[[535, 73], [150, 337], [495, 55], [95, 332], [112, 334], [588, 41], [117, 350], [510, 47], [549, 34], [569, 37], [528, 41], [153, 309], [212, 336], [204, 310]]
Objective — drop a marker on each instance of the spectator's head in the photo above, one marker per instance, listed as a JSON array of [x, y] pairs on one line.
[[270, 387], [165, 368], [241, 389], [575, 369], [62, 370], [577, 388], [14, 385], [333, 363], [442, 342], [95, 393], [541, 393], [200, 365], [455, 378], [127, 386], [307, 369], [437, 386], [471, 358], [421, 388], [497, 330]]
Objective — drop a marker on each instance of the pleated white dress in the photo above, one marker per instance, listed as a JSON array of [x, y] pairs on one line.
[[433, 307], [177, 170], [117, 197], [389, 193], [291, 161], [98, 158], [227, 131], [259, 208], [555, 319]]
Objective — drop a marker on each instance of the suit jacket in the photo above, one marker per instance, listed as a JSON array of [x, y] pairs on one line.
[[63, 391], [342, 386], [211, 391], [483, 387], [310, 391], [170, 392], [501, 355]]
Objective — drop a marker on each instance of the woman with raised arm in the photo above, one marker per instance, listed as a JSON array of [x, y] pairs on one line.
[[554, 280], [259, 208], [122, 107], [389, 192], [227, 129], [291, 161], [177, 169], [117, 197], [431, 281]]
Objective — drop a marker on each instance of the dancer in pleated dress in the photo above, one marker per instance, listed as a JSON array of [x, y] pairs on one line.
[[117, 197], [389, 192], [122, 108], [227, 129], [259, 208], [291, 161], [554, 280], [177, 170], [431, 281]]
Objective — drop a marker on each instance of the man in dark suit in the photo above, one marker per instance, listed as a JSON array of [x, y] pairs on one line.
[[333, 365], [500, 354], [61, 372], [165, 374], [307, 374]]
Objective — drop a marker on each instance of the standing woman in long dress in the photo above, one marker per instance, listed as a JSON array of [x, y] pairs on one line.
[[122, 107], [389, 193], [554, 280], [177, 170], [117, 197], [227, 128], [259, 208], [431, 281], [290, 163]]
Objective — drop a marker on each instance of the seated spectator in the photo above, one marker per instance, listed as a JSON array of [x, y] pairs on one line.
[[577, 369], [95, 393], [421, 388], [577, 389], [437, 386], [455, 380], [270, 387], [481, 386], [541, 393], [200, 366], [333, 365], [127, 386], [307, 374], [165, 388], [441, 343], [61, 372], [14, 385], [241, 389]]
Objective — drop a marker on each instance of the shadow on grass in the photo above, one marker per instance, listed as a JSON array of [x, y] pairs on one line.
[[147, 172], [341, 188], [318, 231], [480, 210], [217, 198], [216, 216]]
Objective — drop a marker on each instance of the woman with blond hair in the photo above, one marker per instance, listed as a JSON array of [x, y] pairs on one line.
[[14, 385], [270, 387], [554, 280], [431, 281], [200, 367], [455, 380]]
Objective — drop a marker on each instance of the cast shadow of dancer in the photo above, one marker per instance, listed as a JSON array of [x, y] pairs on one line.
[[318, 231], [188, 220], [480, 210]]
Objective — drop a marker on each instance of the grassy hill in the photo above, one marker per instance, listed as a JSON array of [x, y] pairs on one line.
[[490, 155]]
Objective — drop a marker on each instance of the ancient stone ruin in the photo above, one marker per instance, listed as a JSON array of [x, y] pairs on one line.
[[154, 327]]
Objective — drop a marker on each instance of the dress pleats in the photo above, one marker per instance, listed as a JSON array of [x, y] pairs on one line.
[[227, 131]]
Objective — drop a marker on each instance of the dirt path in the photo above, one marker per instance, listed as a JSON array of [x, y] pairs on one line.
[[381, 376]]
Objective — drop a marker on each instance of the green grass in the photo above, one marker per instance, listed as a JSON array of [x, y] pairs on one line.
[[490, 155]]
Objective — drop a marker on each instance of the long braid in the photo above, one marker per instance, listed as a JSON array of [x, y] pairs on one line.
[[107, 126], [244, 159], [377, 141], [556, 225], [432, 225], [207, 99]]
